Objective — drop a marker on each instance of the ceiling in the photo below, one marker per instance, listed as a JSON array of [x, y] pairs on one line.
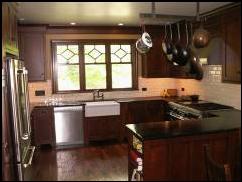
[[103, 13]]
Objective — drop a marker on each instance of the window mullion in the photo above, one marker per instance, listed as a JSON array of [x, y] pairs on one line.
[[82, 66], [108, 67]]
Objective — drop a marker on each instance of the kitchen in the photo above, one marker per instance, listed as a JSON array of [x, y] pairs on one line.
[[101, 93]]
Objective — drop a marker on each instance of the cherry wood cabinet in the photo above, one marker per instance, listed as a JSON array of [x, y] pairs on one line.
[[231, 33], [43, 126], [141, 111], [32, 50], [182, 158], [101, 128], [9, 28], [154, 63]]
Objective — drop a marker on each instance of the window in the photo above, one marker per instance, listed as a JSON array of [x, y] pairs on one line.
[[83, 66]]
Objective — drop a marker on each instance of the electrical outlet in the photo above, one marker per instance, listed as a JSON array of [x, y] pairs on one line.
[[39, 93], [182, 89], [144, 89]]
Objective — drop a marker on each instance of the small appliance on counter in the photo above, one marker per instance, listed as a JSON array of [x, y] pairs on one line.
[[169, 93]]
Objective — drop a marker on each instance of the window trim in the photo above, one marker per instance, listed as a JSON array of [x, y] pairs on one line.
[[107, 43]]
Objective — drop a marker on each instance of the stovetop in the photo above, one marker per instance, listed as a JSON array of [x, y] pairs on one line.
[[204, 105]]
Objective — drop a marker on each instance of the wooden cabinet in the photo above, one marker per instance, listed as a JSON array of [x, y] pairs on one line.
[[182, 158], [43, 126], [9, 28], [139, 112], [101, 128], [154, 63], [231, 33], [32, 51]]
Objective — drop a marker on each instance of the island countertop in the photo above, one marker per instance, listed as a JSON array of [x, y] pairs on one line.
[[226, 120]]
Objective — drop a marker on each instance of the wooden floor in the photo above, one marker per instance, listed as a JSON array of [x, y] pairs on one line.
[[94, 163]]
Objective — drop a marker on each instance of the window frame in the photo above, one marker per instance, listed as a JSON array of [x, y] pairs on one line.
[[107, 43]]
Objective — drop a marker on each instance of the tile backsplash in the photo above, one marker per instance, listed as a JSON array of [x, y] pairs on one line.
[[212, 88], [154, 87], [209, 88]]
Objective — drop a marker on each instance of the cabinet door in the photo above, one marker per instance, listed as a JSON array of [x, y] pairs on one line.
[[32, 51], [154, 63], [9, 24], [102, 128], [154, 111], [43, 126], [232, 49]]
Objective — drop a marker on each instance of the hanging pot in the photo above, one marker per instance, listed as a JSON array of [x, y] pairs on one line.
[[184, 54], [170, 46], [194, 62], [201, 36], [144, 43], [176, 51]]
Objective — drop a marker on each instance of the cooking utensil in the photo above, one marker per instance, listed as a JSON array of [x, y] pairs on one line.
[[176, 51], [195, 66], [170, 46], [164, 42], [144, 43], [201, 36], [184, 51]]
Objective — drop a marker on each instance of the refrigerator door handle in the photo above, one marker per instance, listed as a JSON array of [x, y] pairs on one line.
[[25, 77], [32, 148]]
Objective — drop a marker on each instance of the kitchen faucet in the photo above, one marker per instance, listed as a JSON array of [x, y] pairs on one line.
[[97, 95]]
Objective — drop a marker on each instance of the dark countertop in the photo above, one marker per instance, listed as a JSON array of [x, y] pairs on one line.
[[226, 120]]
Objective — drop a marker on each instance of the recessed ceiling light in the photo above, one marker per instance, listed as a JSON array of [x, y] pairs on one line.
[[73, 23], [120, 24]]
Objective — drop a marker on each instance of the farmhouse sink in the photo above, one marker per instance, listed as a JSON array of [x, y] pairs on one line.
[[102, 108]]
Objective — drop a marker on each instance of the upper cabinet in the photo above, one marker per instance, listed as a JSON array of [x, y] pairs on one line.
[[9, 28], [231, 34], [32, 50], [154, 63]]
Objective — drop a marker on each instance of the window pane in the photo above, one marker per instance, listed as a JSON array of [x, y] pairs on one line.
[[95, 76], [73, 48], [61, 48], [68, 77], [120, 53], [67, 54], [121, 76], [94, 53]]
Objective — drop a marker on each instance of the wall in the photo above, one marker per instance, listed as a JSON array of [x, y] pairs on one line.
[[211, 87], [154, 86]]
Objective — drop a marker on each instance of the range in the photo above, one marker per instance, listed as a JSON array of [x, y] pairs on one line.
[[197, 109]]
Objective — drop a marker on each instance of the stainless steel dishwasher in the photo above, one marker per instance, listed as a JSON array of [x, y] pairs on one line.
[[68, 125]]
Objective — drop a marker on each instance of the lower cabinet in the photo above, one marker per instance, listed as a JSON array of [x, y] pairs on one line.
[[101, 128], [182, 158], [141, 111], [43, 126]]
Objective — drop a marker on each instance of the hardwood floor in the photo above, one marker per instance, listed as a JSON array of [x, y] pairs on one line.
[[94, 163]]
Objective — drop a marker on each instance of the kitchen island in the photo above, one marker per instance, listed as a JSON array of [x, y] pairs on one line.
[[173, 150]]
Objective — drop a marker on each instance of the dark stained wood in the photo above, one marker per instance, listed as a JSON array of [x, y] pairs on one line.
[[93, 30], [215, 171], [141, 111], [32, 51], [231, 33], [182, 158], [93, 163], [154, 63], [9, 31], [43, 127], [102, 128]]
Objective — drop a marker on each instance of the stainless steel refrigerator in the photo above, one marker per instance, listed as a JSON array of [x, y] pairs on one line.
[[17, 87]]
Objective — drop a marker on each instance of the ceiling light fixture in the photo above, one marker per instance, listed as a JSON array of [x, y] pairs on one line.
[[120, 24], [73, 23]]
